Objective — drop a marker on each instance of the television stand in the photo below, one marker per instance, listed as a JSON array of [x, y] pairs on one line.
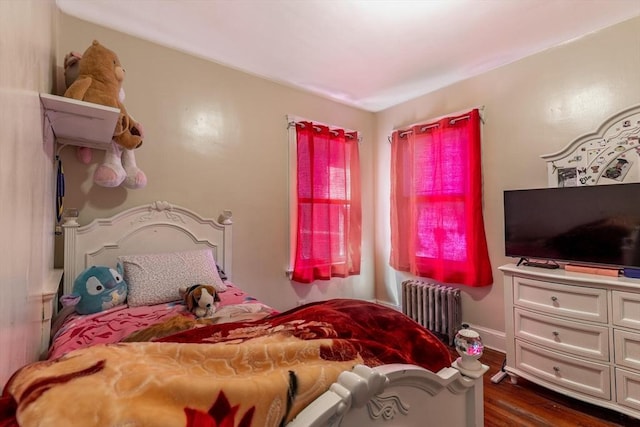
[[551, 265], [576, 334]]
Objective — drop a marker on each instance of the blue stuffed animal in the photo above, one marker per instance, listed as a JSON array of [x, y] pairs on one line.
[[98, 288]]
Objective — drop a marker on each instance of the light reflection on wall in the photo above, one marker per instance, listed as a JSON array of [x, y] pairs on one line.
[[584, 104], [204, 130]]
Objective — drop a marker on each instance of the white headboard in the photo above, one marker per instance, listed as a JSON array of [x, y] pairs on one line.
[[152, 228]]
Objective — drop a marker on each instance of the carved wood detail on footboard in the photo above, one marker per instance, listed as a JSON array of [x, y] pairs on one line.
[[398, 395]]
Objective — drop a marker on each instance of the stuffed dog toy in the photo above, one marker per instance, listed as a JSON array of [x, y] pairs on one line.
[[201, 300]]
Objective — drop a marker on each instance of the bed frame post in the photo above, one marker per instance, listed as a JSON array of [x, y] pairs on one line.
[[477, 404], [476, 397], [70, 227], [226, 219]]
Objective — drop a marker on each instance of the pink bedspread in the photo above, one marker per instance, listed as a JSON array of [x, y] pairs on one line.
[[115, 324]]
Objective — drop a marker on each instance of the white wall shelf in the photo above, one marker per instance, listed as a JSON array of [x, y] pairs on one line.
[[73, 122]]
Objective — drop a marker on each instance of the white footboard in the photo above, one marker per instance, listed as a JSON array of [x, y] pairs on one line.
[[398, 395]]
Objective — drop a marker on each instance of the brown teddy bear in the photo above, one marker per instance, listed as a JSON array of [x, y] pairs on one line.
[[119, 164], [99, 80]]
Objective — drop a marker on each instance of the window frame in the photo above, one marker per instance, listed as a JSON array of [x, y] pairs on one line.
[[293, 194]]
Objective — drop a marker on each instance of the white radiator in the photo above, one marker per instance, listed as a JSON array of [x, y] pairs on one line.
[[434, 306]]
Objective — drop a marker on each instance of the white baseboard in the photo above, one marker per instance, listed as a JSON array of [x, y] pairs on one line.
[[491, 338], [388, 304]]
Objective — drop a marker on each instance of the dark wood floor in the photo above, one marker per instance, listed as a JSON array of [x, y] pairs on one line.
[[528, 405]]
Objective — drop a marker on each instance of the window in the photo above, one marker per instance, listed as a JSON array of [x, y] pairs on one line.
[[437, 229], [327, 214]]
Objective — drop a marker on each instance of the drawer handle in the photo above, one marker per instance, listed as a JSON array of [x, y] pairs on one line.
[[556, 369], [554, 299], [555, 333]]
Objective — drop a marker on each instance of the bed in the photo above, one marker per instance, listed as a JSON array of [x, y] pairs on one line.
[[339, 362]]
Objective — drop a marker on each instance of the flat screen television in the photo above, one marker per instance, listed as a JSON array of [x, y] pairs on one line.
[[591, 225]]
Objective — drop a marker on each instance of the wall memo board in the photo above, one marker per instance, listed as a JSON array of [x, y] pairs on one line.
[[610, 155]]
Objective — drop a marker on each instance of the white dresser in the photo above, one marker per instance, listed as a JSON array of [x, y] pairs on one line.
[[575, 333]]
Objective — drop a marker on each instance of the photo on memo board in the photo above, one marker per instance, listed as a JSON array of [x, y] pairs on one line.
[[567, 177], [617, 169]]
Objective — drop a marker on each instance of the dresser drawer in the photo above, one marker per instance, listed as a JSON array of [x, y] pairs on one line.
[[576, 302], [626, 309], [580, 339], [628, 388], [627, 348], [571, 373]]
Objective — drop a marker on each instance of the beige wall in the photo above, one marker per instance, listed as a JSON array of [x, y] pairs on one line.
[[216, 139], [238, 160], [27, 53], [532, 107]]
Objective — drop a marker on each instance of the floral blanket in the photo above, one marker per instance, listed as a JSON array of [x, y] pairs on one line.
[[249, 374]]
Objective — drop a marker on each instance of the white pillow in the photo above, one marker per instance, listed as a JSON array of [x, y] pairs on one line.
[[157, 278]]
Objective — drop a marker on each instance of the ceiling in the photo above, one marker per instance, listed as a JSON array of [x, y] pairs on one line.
[[371, 54]]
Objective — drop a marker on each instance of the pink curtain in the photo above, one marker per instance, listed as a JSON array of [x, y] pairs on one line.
[[329, 209], [437, 228]]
